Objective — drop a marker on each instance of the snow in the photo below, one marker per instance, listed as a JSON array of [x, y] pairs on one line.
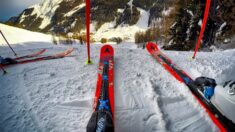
[[220, 29], [75, 9], [167, 12], [120, 10], [222, 26], [200, 23], [190, 12], [123, 31], [57, 95], [143, 21], [130, 3], [45, 10], [15, 36]]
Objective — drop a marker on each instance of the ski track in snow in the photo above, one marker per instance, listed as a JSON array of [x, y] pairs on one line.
[[154, 103], [57, 95]]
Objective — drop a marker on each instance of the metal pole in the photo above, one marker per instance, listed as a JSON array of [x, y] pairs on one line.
[[8, 43]]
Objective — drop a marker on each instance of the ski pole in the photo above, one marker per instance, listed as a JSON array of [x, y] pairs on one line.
[[4, 71], [8, 43], [88, 12]]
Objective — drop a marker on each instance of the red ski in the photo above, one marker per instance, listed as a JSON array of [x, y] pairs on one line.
[[160, 57], [102, 119], [31, 55], [216, 116], [56, 56]]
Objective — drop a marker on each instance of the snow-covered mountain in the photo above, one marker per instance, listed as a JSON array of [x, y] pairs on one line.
[[56, 95], [116, 18], [175, 22]]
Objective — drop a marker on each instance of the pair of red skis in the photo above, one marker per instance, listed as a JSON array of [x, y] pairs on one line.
[[34, 57], [102, 119]]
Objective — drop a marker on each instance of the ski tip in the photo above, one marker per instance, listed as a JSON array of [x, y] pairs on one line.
[[107, 49], [150, 46], [43, 50], [68, 51], [39, 52]]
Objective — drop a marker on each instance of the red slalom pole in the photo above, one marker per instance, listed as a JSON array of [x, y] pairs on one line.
[[206, 13], [8, 43], [88, 5]]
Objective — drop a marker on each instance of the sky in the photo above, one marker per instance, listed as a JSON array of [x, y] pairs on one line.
[[9, 8]]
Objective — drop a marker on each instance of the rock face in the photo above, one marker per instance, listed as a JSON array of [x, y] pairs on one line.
[[63, 16]]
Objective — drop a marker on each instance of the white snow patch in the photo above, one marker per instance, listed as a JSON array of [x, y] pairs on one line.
[[130, 3], [144, 17], [92, 27], [200, 23], [120, 10], [75, 9], [222, 26], [167, 12], [190, 12], [220, 29]]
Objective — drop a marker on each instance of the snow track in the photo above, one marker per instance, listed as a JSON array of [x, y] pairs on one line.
[[57, 95]]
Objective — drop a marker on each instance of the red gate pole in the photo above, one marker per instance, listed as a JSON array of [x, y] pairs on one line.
[[88, 5], [206, 13], [8, 43]]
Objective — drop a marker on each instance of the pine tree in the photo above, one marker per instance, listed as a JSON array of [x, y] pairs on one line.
[[179, 30]]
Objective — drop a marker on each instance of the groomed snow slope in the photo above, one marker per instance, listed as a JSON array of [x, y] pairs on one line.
[[56, 95], [21, 36]]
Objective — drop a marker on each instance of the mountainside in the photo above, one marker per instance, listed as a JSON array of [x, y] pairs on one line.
[[64, 16], [56, 95], [176, 22], [219, 29]]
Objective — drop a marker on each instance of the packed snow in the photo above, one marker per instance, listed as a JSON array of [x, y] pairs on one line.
[[57, 95]]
